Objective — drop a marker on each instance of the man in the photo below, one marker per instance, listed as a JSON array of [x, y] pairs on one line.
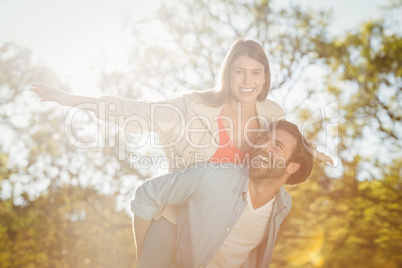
[[230, 215]]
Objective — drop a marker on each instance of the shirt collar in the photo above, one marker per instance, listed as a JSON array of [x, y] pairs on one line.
[[282, 198]]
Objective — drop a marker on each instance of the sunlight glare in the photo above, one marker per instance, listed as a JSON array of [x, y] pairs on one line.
[[311, 250]]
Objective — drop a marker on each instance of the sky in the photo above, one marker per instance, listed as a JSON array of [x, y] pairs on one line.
[[69, 36]]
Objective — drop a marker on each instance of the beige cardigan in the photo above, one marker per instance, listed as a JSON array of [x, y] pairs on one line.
[[187, 128]]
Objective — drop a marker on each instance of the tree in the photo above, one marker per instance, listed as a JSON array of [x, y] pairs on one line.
[[66, 227], [353, 219], [188, 53], [53, 213]]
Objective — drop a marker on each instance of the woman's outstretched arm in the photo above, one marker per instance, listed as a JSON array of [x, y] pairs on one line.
[[48, 93]]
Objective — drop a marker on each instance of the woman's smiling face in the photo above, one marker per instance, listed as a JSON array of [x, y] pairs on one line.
[[247, 78]]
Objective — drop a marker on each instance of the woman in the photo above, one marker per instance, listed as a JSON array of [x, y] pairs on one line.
[[218, 126], [187, 127]]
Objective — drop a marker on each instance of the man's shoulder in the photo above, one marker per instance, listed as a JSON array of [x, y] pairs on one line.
[[219, 171], [223, 168]]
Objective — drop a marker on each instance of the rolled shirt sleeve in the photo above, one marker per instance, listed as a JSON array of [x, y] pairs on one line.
[[172, 189]]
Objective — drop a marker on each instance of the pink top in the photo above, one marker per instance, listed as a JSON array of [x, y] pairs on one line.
[[227, 152]]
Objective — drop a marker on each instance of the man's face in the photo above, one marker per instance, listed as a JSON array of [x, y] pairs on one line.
[[270, 158]]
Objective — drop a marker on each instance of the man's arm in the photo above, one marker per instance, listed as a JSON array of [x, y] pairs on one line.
[[155, 194], [140, 227], [172, 189]]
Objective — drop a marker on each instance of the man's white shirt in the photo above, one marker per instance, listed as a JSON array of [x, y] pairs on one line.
[[248, 233]]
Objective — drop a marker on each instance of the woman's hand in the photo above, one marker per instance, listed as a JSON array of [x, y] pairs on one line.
[[47, 93], [318, 156], [322, 158]]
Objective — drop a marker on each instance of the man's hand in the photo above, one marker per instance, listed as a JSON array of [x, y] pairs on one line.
[[140, 227]]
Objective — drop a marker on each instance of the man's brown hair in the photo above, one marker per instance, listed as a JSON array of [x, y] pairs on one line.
[[302, 154]]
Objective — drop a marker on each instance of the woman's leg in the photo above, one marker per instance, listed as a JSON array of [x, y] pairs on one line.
[[159, 246]]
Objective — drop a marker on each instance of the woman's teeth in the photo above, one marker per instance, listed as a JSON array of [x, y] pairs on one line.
[[246, 90]]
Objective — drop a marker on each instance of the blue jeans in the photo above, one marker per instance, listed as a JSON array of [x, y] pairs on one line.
[[159, 245]]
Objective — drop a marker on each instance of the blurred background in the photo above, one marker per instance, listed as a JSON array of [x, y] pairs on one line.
[[336, 69]]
